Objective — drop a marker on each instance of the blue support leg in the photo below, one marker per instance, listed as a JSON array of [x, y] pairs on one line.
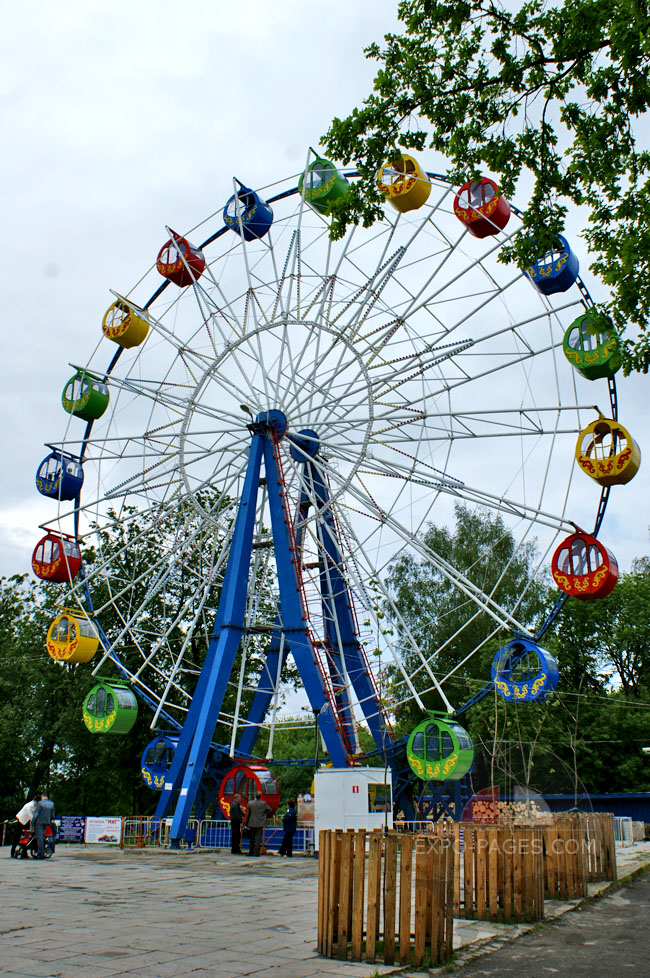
[[194, 743], [292, 612]]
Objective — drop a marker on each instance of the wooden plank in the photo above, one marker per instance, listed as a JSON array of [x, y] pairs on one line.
[[390, 897], [456, 880], [435, 903], [530, 877], [334, 883], [562, 876], [540, 872], [501, 870], [323, 888], [451, 860], [572, 888], [507, 861], [374, 884], [345, 895], [358, 887], [550, 861], [405, 886], [610, 848], [481, 854], [468, 871], [421, 865], [517, 876], [429, 844], [494, 834]]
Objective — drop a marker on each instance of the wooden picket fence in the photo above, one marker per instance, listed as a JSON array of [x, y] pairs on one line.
[[498, 870], [400, 901], [601, 846], [578, 849], [396, 904]]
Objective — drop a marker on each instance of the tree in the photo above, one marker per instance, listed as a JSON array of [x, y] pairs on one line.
[[291, 741], [444, 622], [610, 638], [556, 92]]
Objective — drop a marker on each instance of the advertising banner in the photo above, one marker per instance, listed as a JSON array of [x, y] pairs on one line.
[[106, 830], [71, 828]]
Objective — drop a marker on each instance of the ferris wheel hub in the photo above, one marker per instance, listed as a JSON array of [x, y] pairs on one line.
[[275, 420], [304, 445]]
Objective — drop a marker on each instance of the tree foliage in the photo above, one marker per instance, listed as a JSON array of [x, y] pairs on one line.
[[445, 623], [557, 92]]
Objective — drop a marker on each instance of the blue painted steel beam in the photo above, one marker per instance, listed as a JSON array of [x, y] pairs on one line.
[[337, 602], [292, 612], [194, 742]]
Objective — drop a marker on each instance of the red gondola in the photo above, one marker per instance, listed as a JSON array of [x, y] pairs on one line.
[[584, 568], [246, 779], [179, 261], [480, 206], [56, 558]]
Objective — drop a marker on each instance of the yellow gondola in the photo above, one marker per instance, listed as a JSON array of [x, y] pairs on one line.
[[404, 184], [72, 637], [125, 323], [608, 453]]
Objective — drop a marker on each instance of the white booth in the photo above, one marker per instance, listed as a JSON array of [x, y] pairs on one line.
[[352, 798]]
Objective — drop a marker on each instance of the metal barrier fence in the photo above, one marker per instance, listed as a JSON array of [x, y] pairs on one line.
[[190, 836], [215, 834], [623, 831], [143, 832]]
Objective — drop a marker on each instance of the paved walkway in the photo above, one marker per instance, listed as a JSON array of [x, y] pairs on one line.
[[604, 938], [98, 912]]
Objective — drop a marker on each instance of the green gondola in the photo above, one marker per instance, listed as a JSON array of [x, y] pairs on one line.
[[110, 707], [323, 185], [85, 396], [440, 749], [592, 353]]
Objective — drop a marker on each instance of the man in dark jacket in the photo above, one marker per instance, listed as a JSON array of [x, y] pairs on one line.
[[236, 816], [256, 815], [43, 815], [289, 824]]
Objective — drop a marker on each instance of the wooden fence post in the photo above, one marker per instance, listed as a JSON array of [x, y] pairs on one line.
[[323, 889], [345, 894], [421, 886], [390, 897], [374, 893], [405, 886], [358, 893]]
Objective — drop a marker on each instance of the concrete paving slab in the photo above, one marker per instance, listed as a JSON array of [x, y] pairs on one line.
[[92, 913]]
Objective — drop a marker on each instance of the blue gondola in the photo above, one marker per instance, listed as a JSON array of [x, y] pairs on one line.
[[59, 476], [556, 271], [156, 761], [247, 214], [524, 672]]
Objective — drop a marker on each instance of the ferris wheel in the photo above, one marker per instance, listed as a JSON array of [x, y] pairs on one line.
[[276, 419]]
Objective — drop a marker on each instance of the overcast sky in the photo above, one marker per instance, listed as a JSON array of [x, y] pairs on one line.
[[121, 118]]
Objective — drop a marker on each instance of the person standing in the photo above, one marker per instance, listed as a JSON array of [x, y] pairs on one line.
[[236, 818], [289, 824], [43, 815], [23, 818], [256, 815]]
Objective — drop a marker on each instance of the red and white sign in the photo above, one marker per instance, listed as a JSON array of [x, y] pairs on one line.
[[104, 830]]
